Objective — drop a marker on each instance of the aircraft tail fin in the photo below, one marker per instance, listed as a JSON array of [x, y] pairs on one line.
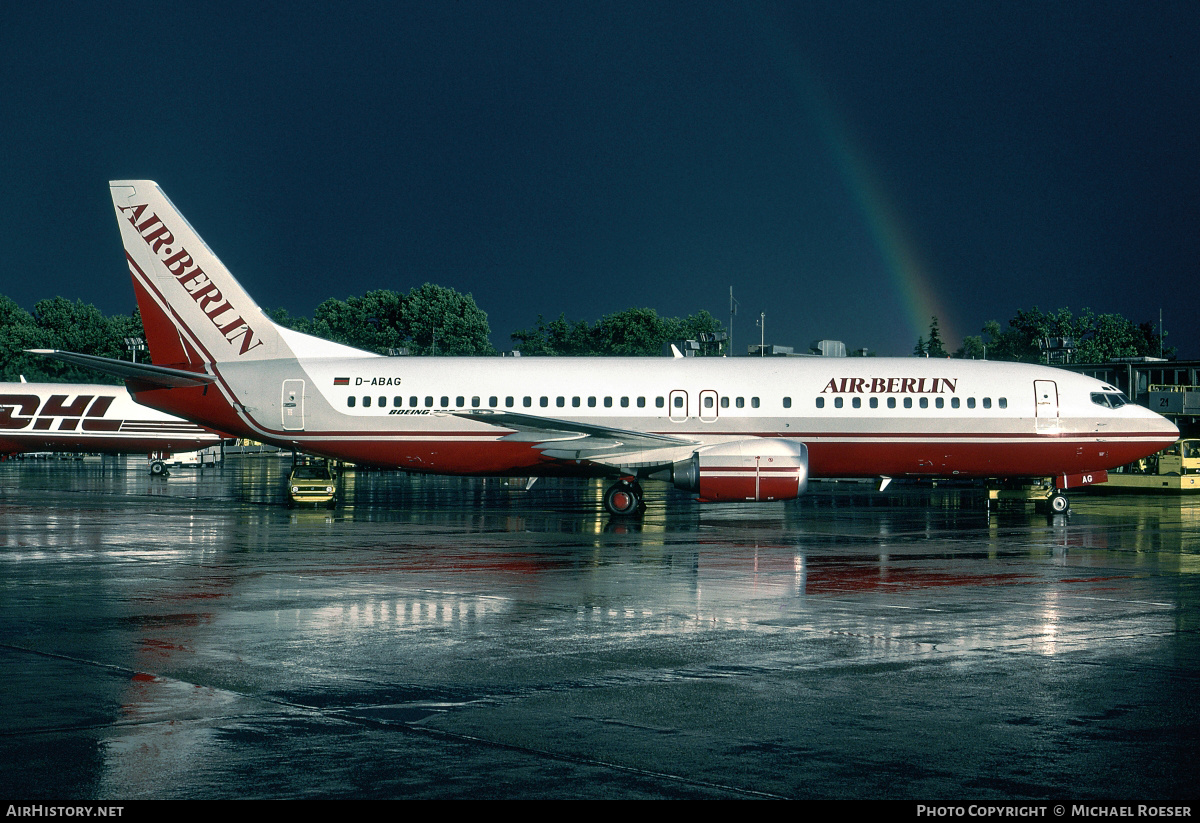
[[193, 309]]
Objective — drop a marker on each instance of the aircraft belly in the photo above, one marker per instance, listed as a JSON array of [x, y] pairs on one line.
[[984, 457]]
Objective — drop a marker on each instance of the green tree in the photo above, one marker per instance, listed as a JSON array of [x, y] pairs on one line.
[[1096, 338], [58, 323], [933, 346], [430, 319], [972, 348], [19, 331], [558, 337], [628, 332], [284, 318], [443, 321]]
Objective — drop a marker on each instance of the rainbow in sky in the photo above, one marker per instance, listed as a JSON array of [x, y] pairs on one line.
[[901, 259]]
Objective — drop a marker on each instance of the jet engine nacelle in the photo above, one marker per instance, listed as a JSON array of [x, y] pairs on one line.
[[758, 469]]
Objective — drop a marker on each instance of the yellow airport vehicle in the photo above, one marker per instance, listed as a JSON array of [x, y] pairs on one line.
[[1174, 470], [312, 483]]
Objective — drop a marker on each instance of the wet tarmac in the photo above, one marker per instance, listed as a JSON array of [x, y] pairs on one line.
[[192, 637]]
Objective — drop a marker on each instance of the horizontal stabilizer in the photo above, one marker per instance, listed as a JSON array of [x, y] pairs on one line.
[[163, 376]]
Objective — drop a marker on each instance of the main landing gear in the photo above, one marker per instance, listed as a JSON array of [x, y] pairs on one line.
[[624, 497]]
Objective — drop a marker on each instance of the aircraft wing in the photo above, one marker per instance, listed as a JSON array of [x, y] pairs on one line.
[[162, 376], [571, 440]]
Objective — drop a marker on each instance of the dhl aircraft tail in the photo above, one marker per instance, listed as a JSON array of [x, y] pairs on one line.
[[193, 310]]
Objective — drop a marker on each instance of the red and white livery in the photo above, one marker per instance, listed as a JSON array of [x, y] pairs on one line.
[[730, 429]]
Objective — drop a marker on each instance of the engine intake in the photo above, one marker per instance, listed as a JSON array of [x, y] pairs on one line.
[[757, 469]]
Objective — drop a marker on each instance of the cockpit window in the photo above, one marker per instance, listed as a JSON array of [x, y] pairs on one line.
[[1112, 400]]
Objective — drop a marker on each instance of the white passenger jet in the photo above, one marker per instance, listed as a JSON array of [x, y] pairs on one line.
[[729, 429], [77, 417]]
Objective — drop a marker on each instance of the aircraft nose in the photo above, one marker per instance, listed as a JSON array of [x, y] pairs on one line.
[[1157, 424]]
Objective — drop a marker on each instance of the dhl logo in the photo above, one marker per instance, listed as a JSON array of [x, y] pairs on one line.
[[86, 412]]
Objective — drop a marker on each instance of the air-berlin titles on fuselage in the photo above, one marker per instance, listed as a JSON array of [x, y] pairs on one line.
[[218, 309], [890, 385], [17, 411]]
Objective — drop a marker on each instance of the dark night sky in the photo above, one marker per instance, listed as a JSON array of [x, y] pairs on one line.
[[849, 168]]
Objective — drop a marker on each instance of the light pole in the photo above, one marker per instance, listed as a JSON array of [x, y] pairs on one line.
[[135, 345]]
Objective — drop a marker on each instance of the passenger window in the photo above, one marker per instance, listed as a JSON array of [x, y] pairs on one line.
[[397, 401], [924, 402], [641, 402], [1003, 401], [741, 402], [724, 402], [366, 402], [624, 402], [787, 402], [874, 402], [445, 402], [754, 402], [837, 402], [987, 402], [461, 401], [908, 402], [954, 402], [509, 401], [474, 402], [608, 402], [679, 402], [350, 401], [658, 402], [526, 401], [575, 402], [382, 402], [560, 402], [428, 402], [591, 402], [412, 401], [891, 402], [940, 402], [970, 402], [544, 401], [820, 402], [856, 402], [493, 402]]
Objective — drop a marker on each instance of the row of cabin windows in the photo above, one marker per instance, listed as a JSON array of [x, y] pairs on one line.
[[923, 402], [544, 402], [707, 401]]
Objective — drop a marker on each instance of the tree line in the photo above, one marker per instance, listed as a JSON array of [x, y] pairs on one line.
[[1034, 336], [427, 320], [58, 323], [436, 320]]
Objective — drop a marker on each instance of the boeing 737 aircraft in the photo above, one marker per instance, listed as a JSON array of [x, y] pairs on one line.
[[728, 429], [74, 417]]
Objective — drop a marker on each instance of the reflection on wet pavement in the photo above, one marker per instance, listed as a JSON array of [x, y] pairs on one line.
[[191, 636]]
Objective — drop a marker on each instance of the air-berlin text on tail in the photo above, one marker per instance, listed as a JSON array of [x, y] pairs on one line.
[[184, 269], [890, 385]]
